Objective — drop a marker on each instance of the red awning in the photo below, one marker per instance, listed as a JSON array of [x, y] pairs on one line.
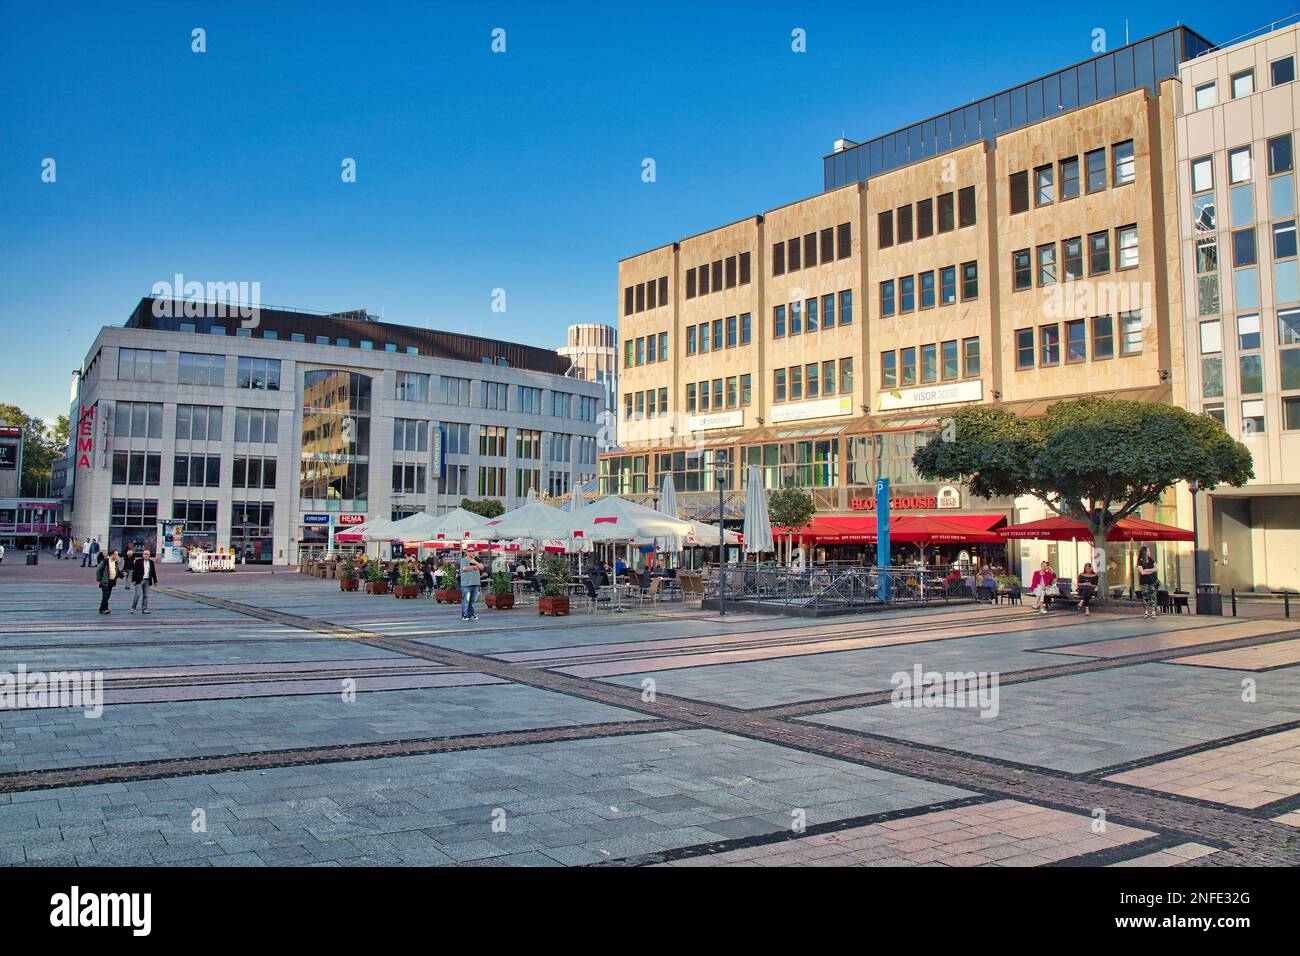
[[916, 529], [1057, 528]]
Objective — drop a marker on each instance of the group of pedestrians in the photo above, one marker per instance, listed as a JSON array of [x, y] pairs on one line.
[[1044, 586], [139, 572]]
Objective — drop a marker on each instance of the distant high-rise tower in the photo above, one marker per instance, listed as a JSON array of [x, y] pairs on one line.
[[593, 350]]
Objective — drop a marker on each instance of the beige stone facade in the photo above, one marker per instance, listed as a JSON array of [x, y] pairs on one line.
[[1047, 261]]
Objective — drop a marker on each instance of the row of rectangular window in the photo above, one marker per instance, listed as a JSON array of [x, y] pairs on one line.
[[148, 365], [795, 254], [651, 403], [799, 317], [1071, 258], [645, 350], [201, 471], [1242, 83], [896, 226], [1060, 182], [645, 295], [1047, 348], [734, 391], [798, 382], [944, 361], [946, 293], [1241, 164], [719, 334], [718, 275]]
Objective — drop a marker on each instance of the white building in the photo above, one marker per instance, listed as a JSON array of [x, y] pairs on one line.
[[264, 434]]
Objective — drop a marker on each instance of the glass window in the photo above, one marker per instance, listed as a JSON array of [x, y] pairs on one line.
[[1282, 71], [1284, 239], [1131, 328], [1124, 167], [1207, 94], [1049, 342], [1098, 253], [1072, 258], [1212, 376], [947, 285], [887, 298], [927, 290], [1095, 167], [1047, 265], [951, 367], [907, 359], [1044, 186], [1243, 247], [970, 357], [1021, 270], [1280, 159], [1202, 174], [1241, 199], [846, 307], [1024, 348], [907, 294], [888, 369], [1076, 341], [1103, 337], [1127, 240], [1239, 165], [970, 281], [1070, 178], [929, 363], [1252, 418], [1211, 337], [1243, 83]]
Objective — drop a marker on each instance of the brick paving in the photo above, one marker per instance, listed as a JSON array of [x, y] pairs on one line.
[[669, 736]]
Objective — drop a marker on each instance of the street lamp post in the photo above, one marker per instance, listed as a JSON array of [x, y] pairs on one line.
[[719, 472], [1194, 486]]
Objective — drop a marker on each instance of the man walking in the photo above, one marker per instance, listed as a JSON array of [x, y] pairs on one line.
[[85, 553], [469, 585], [58, 548], [144, 575], [106, 575]]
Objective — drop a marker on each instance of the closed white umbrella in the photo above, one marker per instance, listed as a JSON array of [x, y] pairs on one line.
[[758, 524], [668, 505]]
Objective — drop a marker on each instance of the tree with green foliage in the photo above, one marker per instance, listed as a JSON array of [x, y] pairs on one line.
[[1092, 460], [487, 507], [790, 508], [42, 444]]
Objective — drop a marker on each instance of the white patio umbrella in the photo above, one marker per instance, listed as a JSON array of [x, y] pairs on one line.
[[616, 519], [456, 525], [529, 521], [758, 524], [381, 529]]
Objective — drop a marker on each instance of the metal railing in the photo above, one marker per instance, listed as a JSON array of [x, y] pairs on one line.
[[1261, 603], [826, 587]]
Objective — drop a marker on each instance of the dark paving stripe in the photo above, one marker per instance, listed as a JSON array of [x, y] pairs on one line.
[[827, 705], [265, 760], [1140, 762], [1122, 853], [1271, 843], [787, 836]]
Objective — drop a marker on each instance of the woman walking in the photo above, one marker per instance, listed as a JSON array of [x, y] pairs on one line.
[[1148, 581], [1043, 585], [1088, 579]]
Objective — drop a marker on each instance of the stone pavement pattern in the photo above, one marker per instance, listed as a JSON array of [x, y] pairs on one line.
[[304, 726]]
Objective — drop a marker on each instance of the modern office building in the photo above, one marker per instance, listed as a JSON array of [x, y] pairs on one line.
[[264, 434], [592, 351], [1018, 250], [1237, 130]]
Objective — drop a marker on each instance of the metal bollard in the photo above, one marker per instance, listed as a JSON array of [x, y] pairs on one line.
[[1286, 603], [1234, 602]]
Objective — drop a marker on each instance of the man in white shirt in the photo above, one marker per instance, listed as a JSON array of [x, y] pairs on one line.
[[144, 575]]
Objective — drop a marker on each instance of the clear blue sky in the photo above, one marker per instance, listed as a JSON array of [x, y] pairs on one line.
[[474, 171]]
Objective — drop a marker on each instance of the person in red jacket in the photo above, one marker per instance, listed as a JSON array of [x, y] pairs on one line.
[[1044, 578]]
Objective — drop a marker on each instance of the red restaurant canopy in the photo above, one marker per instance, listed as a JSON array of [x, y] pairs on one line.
[[1057, 528], [914, 529]]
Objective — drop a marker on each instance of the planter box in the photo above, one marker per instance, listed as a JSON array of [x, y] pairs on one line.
[[554, 606], [502, 602], [407, 590], [447, 597], [348, 584], [376, 587]]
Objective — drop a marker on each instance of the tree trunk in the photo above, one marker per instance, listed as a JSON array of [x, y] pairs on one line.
[[1099, 564]]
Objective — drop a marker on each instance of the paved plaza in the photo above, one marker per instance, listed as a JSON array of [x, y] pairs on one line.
[[266, 718]]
